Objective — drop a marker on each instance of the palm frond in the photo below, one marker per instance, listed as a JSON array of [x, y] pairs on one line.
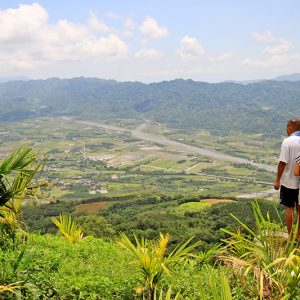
[[16, 178], [152, 258], [18, 161], [68, 227], [11, 288]]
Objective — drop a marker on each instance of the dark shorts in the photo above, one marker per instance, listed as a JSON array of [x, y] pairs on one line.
[[289, 197]]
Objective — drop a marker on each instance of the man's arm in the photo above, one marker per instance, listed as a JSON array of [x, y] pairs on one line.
[[280, 169]]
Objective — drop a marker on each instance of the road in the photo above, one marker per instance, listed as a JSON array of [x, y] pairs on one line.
[[142, 135], [259, 194]]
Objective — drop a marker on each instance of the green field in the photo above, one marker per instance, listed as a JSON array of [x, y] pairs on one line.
[[84, 158]]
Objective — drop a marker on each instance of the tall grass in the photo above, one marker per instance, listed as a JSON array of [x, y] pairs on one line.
[[266, 256]]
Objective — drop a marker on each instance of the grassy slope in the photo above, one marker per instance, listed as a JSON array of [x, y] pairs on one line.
[[84, 270], [90, 269]]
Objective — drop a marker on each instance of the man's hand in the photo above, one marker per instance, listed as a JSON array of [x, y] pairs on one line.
[[280, 169], [277, 185]]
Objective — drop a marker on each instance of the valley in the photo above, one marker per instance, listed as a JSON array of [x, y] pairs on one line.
[[144, 177], [88, 158]]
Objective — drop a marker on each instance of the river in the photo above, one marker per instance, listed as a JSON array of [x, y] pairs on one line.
[[140, 133]]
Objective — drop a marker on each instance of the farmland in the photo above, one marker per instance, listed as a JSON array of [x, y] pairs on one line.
[[86, 160]]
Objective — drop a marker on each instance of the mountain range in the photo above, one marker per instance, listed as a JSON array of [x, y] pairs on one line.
[[263, 106]]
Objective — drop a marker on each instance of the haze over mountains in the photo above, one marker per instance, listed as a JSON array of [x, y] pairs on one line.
[[290, 77], [257, 107]]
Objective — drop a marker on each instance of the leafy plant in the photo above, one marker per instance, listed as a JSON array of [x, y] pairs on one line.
[[68, 228], [11, 288], [16, 184], [153, 260], [11, 273], [208, 256], [168, 295], [11, 229], [266, 255], [218, 287]]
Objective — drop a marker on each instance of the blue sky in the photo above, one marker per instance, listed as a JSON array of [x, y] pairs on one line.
[[150, 40]]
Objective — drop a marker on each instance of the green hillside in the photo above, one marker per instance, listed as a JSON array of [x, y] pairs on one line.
[[54, 268], [51, 267], [256, 107]]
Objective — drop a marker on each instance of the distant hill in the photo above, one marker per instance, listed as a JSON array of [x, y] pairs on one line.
[[290, 77], [258, 107], [14, 78]]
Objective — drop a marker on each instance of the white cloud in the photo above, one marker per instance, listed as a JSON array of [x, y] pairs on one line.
[[265, 37], [222, 57], [149, 54], [112, 15], [129, 27], [275, 45], [84, 49], [127, 34], [255, 62], [22, 61], [129, 24], [27, 39], [97, 25], [21, 23], [151, 30], [273, 61], [111, 46], [277, 52], [282, 46], [189, 48]]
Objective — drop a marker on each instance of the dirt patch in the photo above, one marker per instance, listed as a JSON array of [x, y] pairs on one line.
[[90, 207], [126, 159], [216, 201], [96, 157]]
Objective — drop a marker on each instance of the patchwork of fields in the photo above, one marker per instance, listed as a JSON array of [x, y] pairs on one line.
[[88, 159]]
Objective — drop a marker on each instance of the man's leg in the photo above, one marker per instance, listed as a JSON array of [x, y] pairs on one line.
[[289, 219]]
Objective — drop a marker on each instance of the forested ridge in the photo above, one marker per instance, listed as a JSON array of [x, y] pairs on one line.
[[257, 107]]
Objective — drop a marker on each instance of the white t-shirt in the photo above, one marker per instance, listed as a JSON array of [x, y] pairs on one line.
[[290, 148]]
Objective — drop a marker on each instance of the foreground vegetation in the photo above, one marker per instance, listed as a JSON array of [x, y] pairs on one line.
[[47, 266]]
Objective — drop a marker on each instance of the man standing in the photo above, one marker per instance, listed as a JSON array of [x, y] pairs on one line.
[[286, 180]]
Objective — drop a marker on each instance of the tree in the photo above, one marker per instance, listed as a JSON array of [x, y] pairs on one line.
[[95, 225]]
